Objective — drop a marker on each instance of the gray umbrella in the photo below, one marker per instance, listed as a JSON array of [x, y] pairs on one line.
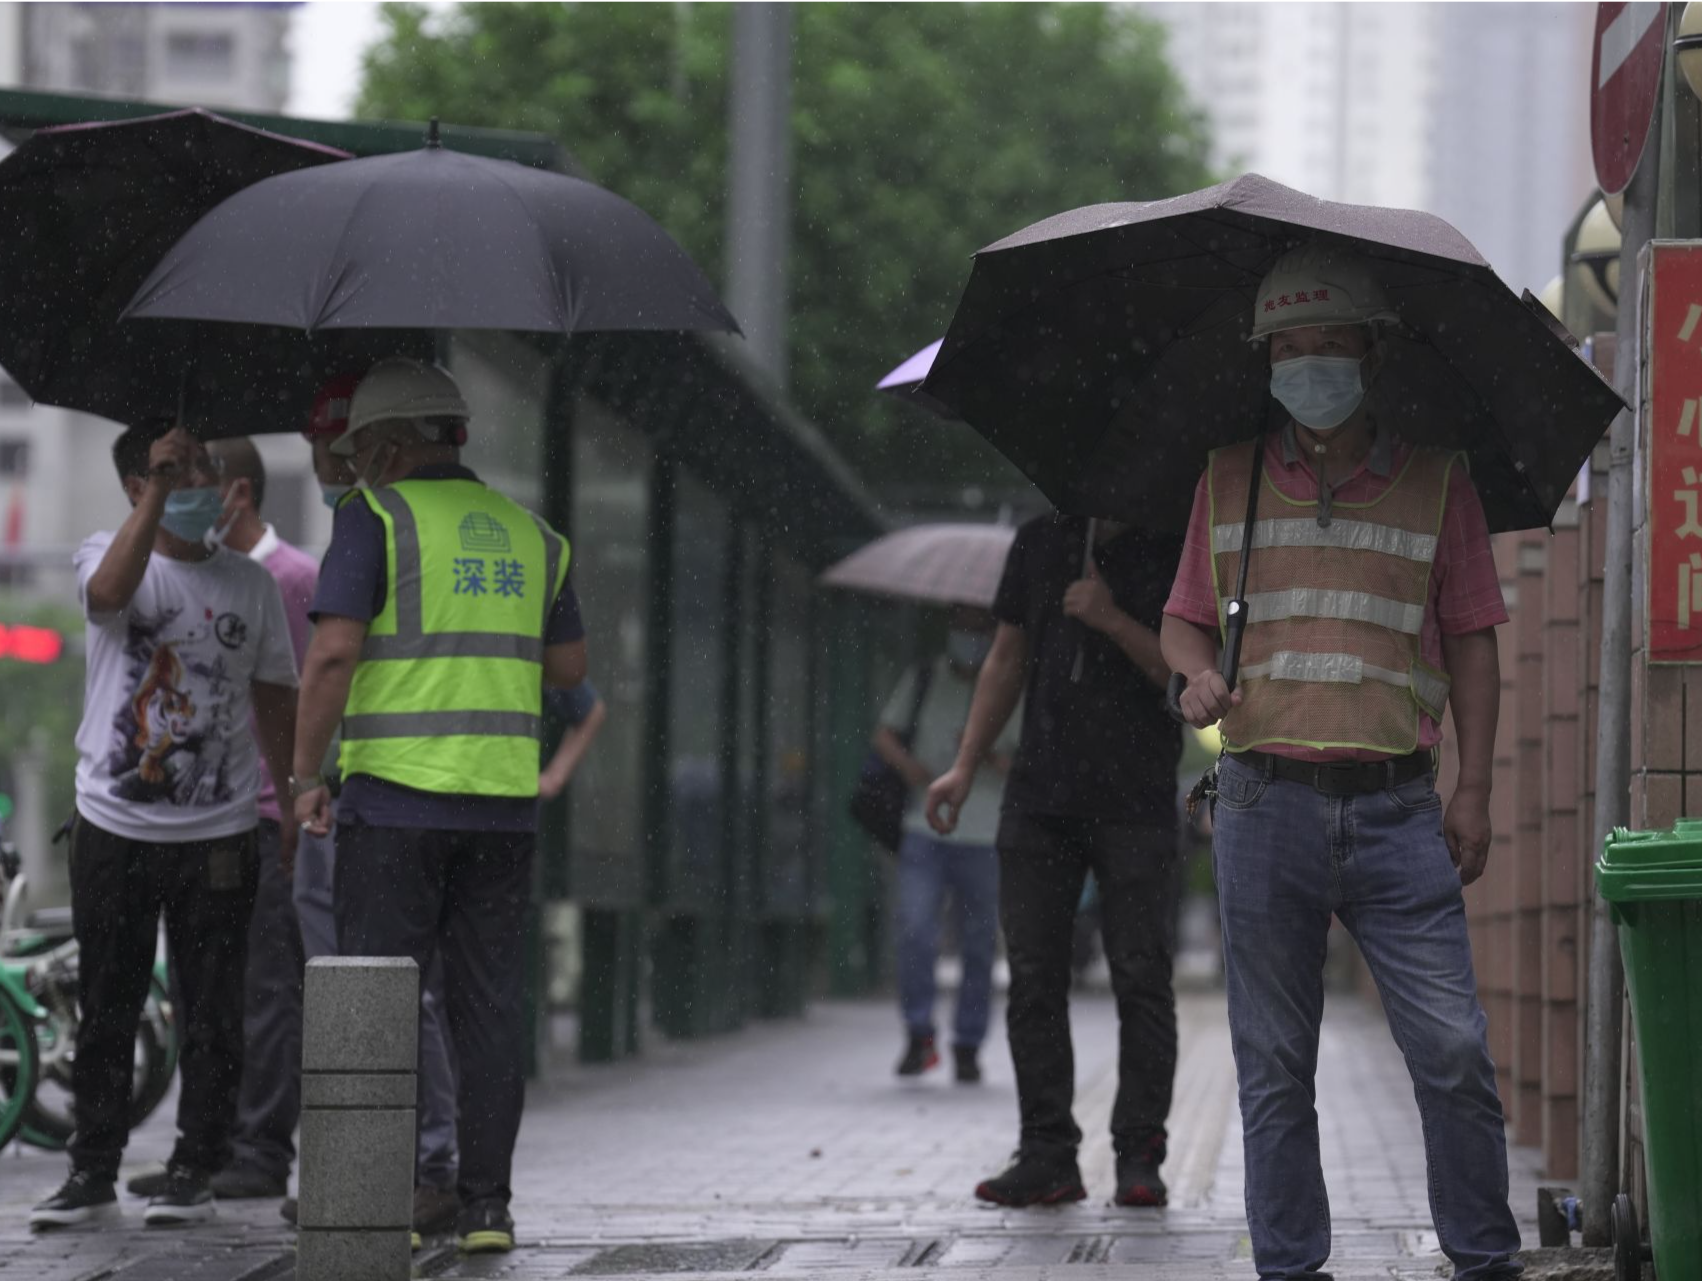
[[430, 239], [1104, 351]]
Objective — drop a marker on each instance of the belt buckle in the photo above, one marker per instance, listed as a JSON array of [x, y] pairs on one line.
[[1332, 777]]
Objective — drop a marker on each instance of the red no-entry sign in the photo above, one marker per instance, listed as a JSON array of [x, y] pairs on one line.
[[1625, 75]]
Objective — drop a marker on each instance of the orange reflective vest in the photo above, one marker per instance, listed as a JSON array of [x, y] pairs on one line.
[[1331, 653]]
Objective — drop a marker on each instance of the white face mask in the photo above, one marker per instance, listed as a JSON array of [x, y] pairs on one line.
[[1321, 392]]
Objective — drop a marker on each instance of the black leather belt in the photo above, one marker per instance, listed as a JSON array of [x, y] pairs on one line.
[[1341, 778]]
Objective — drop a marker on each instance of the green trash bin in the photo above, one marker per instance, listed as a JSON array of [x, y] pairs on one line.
[[1653, 882]]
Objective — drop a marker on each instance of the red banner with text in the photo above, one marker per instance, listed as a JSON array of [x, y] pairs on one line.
[[1674, 452]]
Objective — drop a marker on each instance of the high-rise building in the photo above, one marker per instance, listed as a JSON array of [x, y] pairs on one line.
[[234, 56], [1476, 112]]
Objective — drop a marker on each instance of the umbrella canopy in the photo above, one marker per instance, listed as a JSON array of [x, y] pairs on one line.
[[911, 373], [85, 213], [431, 239], [939, 564], [1104, 351], [905, 381]]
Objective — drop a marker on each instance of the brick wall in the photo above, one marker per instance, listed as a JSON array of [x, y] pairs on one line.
[[1529, 914]]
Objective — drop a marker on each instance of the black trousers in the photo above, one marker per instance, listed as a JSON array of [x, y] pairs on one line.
[[119, 887], [269, 1103], [462, 897], [1043, 862]]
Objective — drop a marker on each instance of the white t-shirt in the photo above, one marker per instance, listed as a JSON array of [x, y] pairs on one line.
[[165, 751], [939, 730]]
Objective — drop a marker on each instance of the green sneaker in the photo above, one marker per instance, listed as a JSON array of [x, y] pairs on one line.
[[485, 1228]]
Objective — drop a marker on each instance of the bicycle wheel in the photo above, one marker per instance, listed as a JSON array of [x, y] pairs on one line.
[[51, 1115], [20, 1067]]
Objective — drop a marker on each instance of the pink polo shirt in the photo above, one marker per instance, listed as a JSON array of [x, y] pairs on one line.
[[297, 573], [1465, 590]]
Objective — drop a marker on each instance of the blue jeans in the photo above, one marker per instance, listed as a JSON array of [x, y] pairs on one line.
[[926, 868], [1287, 857]]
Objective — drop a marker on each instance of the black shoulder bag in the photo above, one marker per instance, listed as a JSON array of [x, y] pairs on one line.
[[877, 802]]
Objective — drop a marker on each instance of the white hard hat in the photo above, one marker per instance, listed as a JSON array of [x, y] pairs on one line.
[[401, 388], [1318, 285]]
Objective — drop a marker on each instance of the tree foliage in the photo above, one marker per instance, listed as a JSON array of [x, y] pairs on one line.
[[920, 133]]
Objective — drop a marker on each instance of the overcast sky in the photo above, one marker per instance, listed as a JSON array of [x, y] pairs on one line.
[[329, 37]]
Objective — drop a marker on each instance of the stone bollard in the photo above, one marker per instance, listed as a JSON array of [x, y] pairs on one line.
[[360, 1030]]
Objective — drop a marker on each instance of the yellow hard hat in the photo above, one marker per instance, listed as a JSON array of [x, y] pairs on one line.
[[1318, 285]]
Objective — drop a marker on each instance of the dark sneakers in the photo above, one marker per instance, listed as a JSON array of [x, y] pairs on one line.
[[1034, 1180], [147, 1182], [83, 1198], [238, 1182], [1138, 1181], [187, 1198], [968, 1064], [435, 1211], [485, 1228], [919, 1056]]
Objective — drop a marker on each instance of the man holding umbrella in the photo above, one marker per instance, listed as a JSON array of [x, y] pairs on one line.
[[1371, 601], [1093, 788], [442, 610]]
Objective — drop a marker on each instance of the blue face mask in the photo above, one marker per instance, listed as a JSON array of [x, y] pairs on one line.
[[190, 513], [1320, 391], [331, 495], [969, 649]]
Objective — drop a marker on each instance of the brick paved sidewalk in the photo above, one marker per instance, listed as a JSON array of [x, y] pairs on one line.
[[791, 1149]]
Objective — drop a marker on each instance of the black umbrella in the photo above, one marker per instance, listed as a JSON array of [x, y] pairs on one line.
[[431, 239], [1104, 351], [85, 213]]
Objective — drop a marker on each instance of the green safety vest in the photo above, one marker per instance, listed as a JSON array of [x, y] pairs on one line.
[[448, 693]]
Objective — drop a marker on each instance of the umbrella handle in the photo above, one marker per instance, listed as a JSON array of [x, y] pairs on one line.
[[1228, 663], [1173, 697], [1235, 622], [1086, 567]]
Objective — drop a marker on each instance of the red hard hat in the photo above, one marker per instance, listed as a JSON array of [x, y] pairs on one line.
[[330, 415]]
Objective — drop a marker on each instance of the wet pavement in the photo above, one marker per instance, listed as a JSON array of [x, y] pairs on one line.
[[790, 1149]]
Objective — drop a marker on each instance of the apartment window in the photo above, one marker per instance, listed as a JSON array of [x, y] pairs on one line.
[[14, 458], [85, 64], [200, 57]]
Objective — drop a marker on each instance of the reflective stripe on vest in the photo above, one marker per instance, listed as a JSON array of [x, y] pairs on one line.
[[1354, 535], [1318, 602], [410, 639], [1331, 656], [1429, 688], [437, 703]]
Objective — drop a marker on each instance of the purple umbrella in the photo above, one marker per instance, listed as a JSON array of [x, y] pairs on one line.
[[910, 374], [905, 382]]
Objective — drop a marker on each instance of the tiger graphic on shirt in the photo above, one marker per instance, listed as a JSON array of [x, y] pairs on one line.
[[170, 736]]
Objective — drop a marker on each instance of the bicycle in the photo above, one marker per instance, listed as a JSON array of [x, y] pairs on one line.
[[20, 1059], [38, 968]]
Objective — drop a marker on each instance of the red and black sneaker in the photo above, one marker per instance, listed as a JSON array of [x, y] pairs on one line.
[[919, 1056], [1034, 1180], [1138, 1181]]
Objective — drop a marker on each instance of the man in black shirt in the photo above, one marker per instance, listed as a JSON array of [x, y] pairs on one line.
[[1093, 788]]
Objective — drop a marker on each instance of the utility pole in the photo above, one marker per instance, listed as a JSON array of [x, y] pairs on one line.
[[759, 179], [1604, 1018]]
